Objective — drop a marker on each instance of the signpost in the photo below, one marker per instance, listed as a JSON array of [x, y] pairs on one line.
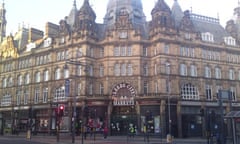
[[67, 87], [223, 95]]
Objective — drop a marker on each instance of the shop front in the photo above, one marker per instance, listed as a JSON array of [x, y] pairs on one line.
[[192, 121], [1, 124], [123, 118], [124, 114], [150, 117]]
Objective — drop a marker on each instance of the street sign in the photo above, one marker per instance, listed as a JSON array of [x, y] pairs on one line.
[[224, 95], [67, 85]]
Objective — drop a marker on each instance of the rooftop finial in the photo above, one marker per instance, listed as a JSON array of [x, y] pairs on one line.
[[3, 4], [74, 3]]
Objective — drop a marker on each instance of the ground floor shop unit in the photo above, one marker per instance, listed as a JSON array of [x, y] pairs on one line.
[[183, 119]]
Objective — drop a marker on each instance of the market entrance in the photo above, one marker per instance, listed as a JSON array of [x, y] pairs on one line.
[[124, 116], [122, 119]]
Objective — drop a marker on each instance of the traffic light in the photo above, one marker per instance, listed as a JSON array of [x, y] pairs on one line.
[[202, 113], [213, 117], [61, 110]]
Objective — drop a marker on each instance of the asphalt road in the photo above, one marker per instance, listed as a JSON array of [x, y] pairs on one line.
[[66, 139], [4, 140]]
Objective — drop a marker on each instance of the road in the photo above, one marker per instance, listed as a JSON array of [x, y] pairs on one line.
[[7, 140], [66, 139]]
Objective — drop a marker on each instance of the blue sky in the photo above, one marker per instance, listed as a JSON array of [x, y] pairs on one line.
[[35, 13]]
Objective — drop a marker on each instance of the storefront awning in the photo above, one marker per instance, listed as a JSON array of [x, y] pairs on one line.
[[233, 114]]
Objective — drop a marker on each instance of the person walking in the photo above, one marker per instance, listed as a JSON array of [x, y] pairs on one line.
[[105, 132]]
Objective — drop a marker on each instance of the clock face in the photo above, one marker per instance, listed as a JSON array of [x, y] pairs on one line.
[[123, 35], [137, 13]]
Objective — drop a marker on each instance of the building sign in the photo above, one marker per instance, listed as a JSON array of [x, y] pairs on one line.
[[123, 101], [123, 94]]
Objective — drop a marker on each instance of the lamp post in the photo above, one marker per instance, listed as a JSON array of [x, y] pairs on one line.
[[168, 91], [76, 63]]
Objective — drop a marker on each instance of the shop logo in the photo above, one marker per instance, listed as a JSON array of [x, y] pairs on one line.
[[123, 94]]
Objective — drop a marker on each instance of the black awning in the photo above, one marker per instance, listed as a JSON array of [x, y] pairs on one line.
[[233, 114]]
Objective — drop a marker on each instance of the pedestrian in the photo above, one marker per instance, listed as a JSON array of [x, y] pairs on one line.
[[85, 131], [105, 132], [145, 132], [131, 131]]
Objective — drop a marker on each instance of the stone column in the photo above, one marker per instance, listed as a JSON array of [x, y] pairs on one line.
[[138, 112], [163, 117], [179, 119]]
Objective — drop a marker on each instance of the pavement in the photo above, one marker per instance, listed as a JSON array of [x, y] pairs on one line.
[[67, 139]]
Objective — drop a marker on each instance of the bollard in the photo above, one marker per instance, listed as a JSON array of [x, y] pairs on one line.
[[28, 134], [169, 138]]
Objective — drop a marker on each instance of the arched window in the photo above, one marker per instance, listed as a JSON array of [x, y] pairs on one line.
[[207, 72], [123, 69], [130, 70], [193, 71], [10, 81], [37, 77], [101, 71], [218, 73], [57, 74], [183, 70], [101, 88], [117, 69], [66, 73], [231, 74], [4, 83], [27, 78], [46, 75], [189, 92], [20, 80]]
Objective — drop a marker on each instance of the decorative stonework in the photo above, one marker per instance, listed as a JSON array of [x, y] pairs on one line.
[[7, 49], [123, 94]]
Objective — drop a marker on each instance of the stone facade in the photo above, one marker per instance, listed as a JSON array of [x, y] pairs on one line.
[[160, 73]]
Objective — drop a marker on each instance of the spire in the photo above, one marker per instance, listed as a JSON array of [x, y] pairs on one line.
[[86, 2], [3, 22], [160, 6], [236, 14], [71, 19], [86, 11], [177, 13], [74, 3]]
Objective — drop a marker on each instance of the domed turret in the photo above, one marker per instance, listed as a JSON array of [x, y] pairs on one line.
[[133, 8], [233, 25], [86, 12], [161, 15], [86, 17]]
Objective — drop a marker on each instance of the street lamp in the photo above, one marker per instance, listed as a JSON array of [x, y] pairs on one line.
[[76, 63], [168, 90]]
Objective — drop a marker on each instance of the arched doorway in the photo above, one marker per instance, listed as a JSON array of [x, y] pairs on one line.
[[123, 117], [124, 113]]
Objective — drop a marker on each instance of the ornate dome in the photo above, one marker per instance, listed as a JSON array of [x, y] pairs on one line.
[[132, 7]]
